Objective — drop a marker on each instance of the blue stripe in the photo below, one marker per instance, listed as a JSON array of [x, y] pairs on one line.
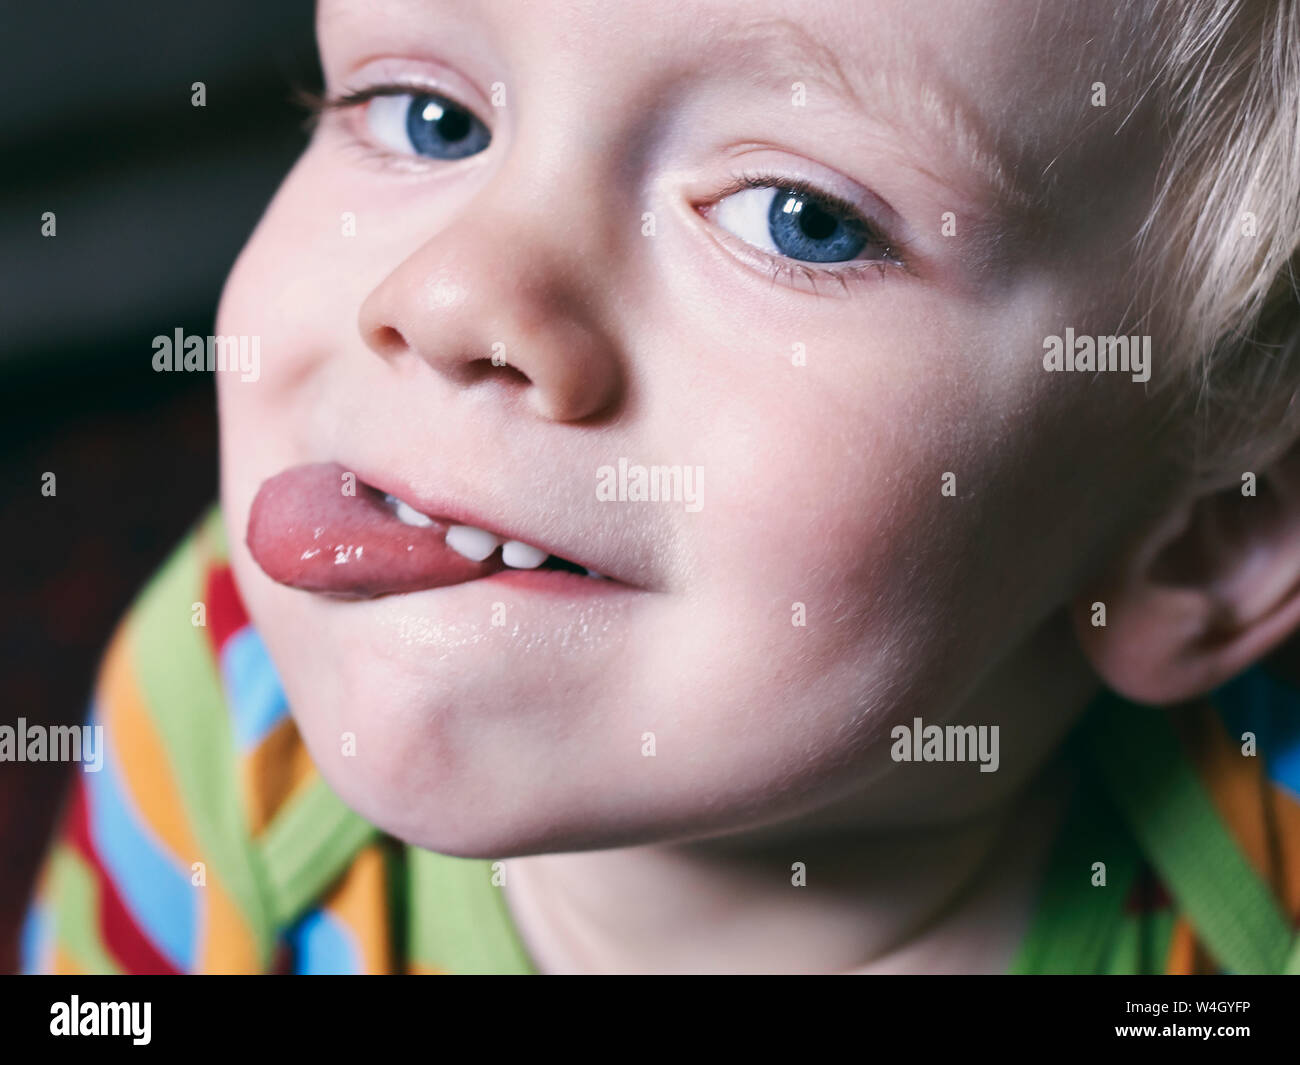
[[252, 687], [1259, 703], [1284, 762], [34, 941], [323, 946], [156, 892]]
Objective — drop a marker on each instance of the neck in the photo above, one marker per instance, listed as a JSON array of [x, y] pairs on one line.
[[956, 899]]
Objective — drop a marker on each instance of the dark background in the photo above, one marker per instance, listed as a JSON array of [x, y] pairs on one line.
[[153, 199]]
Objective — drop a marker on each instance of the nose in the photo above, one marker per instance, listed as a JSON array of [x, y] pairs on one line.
[[502, 297]]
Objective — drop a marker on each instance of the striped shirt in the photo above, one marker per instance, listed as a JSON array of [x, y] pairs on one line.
[[208, 842]]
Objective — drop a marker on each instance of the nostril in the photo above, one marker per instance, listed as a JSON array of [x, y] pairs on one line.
[[480, 369], [387, 341]]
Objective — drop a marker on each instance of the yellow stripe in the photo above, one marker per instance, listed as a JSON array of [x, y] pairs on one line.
[[360, 902], [65, 964], [1233, 781], [273, 772], [1181, 960], [145, 770], [225, 943], [228, 943], [1287, 813]]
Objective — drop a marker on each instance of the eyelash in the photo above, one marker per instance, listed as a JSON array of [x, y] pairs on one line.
[[318, 106], [796, 269]]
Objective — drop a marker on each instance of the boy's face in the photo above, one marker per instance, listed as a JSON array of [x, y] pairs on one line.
[[825, 364]]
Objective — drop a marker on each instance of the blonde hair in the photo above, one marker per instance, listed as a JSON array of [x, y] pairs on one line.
[[1221, 244]]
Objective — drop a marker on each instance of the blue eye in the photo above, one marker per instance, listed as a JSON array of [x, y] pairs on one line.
[[787, 221], [804, 229], [426, 125]]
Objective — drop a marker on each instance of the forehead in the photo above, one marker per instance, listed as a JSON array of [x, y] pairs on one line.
[[987, 46], [988, 52]]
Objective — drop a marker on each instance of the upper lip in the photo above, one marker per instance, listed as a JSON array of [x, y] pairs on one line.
[[452, 512]]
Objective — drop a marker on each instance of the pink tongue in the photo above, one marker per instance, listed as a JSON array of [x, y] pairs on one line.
[[304, 532]]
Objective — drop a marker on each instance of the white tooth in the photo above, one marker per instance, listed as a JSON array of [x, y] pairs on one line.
[[408, 515], [593, 573], [474, 544], [519, 555]]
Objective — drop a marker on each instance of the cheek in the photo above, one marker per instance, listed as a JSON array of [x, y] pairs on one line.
[[300, 279], [865, 513], [296, 285], [820, 486]]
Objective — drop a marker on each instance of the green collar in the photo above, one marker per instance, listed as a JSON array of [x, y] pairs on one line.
[[1141, 797]]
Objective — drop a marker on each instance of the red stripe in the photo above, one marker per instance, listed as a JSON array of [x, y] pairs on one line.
[[226, 613], [282, 960], [124, 939], [1148, 894]]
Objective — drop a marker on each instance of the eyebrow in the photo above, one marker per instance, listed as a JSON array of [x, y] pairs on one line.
[[930, 109]]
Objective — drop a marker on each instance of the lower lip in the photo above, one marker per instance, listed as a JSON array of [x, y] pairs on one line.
[[304, 532], [554, 582]]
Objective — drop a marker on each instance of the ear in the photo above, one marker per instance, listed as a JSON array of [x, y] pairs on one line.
[[1201, 595]]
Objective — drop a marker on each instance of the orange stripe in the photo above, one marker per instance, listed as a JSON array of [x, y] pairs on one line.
[[1234, 782], [360, 902], [1239, 789], [1181, 960], [143, 763], [1286, 812], [64, 964], [228, 944], [272, 772]]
